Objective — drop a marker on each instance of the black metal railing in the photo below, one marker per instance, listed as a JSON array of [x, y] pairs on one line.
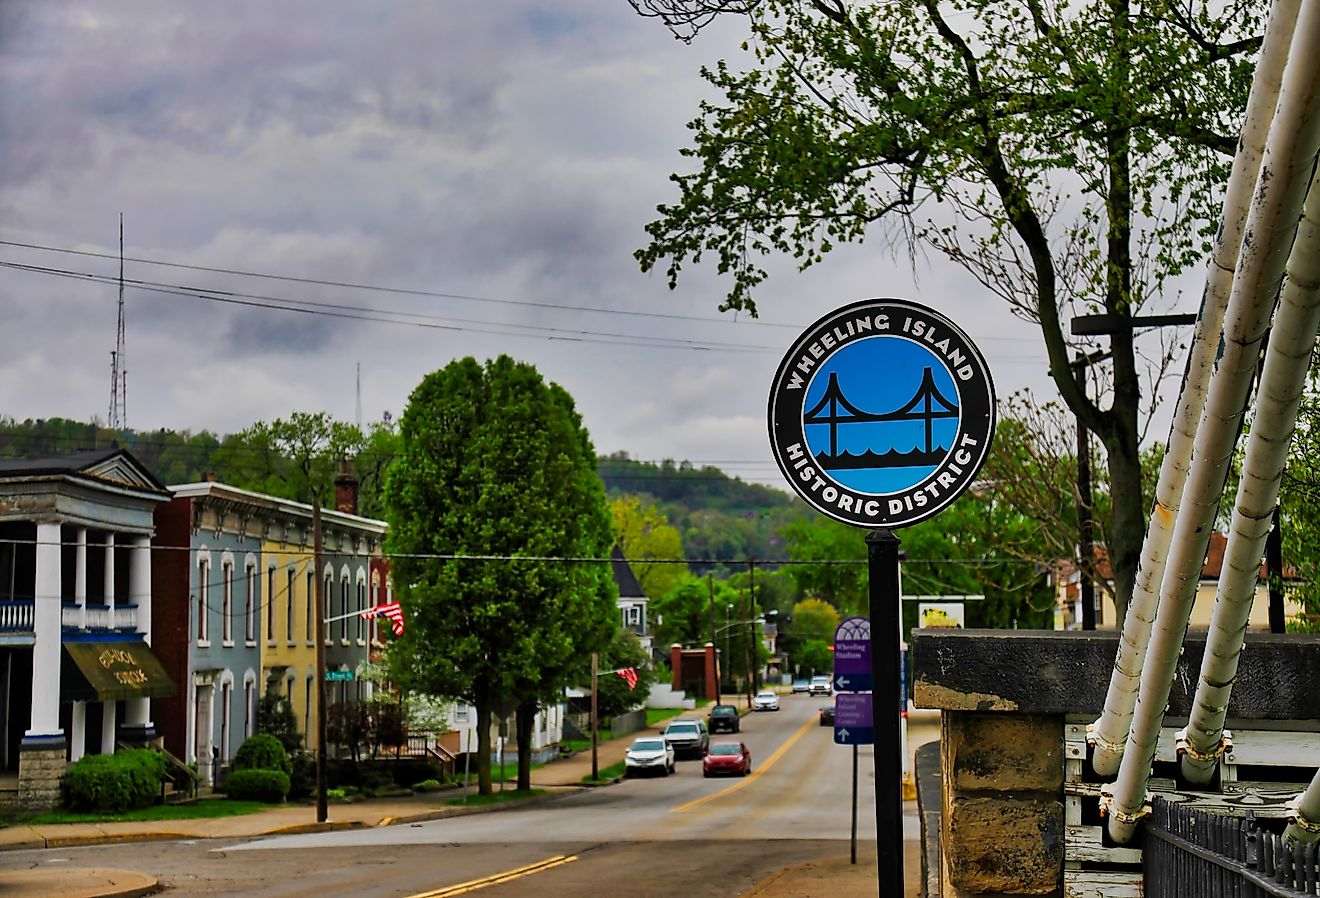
[[1190, 853]]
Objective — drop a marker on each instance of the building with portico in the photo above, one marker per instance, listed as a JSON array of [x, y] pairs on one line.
[[77, 670]]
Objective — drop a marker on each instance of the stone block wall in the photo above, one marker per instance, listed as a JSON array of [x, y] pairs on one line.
[[40, 775], [1002, 827]]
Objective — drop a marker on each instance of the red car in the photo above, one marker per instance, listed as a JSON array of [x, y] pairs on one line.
[[727, 757]]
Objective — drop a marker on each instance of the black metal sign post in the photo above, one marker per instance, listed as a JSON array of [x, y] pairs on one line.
[[886, 609], [881, 414]]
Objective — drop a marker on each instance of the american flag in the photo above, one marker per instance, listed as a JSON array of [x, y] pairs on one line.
[[629, 675], [393, 612]]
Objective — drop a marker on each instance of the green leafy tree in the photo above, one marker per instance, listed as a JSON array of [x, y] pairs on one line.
[[613, 697], [295, 458], [646, 535], [1068, 157], [494, 462], [691, 611], [815, 619], [823, 547], [1300, 509], [813, 658]]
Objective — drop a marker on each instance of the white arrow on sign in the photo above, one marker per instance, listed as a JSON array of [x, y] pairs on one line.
[[843, 734], [841, 683]]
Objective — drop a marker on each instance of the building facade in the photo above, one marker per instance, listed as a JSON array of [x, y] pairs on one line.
[[77, 670]]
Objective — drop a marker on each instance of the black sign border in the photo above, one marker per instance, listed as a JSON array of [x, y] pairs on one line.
[[786, 426]]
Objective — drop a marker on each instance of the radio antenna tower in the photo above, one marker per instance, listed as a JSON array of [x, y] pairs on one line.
[[118, 366]]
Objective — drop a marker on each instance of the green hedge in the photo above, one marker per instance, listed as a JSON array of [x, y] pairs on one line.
[[112, 784], [262, 751], [270, 786]]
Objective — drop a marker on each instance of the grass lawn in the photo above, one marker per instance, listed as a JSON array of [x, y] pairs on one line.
[[660, 715], [497, 797], [606, 773], [585, 744], [207, 807]]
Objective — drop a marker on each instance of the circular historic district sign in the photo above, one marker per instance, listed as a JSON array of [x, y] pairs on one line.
[[882, 413]]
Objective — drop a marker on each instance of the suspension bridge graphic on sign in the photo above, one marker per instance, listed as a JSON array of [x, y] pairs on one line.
[[834, 410]]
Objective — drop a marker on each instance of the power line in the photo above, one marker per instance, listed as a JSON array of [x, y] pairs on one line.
[[420, 320], [401, 291]]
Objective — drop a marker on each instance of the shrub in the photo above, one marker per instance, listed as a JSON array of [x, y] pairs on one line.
[[427, 786], [302, 778], [253, 784], [262, 751], [112, 784]]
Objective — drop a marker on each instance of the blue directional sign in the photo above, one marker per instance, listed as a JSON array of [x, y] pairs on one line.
[[852, 655], [853, 723]]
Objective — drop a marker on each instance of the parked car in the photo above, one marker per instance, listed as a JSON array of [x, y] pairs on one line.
[[727, 757], [687, 737], [821, 685], [801, 686], [827, 715], [724, 717], [649, 755], [765, 701]]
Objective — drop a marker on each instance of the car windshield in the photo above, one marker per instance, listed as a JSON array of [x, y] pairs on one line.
[[723, 711], [648, 745], [765, 695], [682, 728], [820, 679], [725, 749]]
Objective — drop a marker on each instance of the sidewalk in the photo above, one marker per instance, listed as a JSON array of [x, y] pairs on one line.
[[826, 879]]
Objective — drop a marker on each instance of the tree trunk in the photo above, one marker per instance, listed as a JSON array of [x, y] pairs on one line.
[[526, 719], [482, 704]]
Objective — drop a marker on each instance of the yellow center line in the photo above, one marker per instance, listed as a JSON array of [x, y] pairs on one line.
[[769, 762], [495, 879]]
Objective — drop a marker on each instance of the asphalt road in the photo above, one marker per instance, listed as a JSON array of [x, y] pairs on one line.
[[681, 836]]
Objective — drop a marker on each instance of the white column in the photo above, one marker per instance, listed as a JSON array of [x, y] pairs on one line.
[[46, 630], [139, 591], [110, 575], [80, 578], [108, 728], [78, 731]]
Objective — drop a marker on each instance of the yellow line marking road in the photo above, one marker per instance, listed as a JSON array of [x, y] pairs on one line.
[[495, 879], [769, 762]]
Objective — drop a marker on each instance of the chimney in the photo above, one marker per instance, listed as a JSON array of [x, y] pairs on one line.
[[346, 488], [209, 476]]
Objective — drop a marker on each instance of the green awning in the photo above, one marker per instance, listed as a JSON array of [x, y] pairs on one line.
[[110, 671]]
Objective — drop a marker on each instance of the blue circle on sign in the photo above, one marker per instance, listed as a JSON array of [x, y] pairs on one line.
[[910, 425]]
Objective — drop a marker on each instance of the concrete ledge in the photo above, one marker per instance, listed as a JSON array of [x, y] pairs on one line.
[[930, 790], [1067, 672]]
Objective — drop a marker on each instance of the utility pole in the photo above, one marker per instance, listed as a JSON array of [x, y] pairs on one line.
[[710, 587], [1085, 509], [595, 760], [1105, 324], [747, 645], [321, 812]]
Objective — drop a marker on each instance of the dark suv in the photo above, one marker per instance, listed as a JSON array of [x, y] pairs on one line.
[[724, 717], [687, 737]]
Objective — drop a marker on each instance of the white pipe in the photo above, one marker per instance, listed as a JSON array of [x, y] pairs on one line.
[[1304, 815], [1109, 733], [1287, 360], [1290, 152]]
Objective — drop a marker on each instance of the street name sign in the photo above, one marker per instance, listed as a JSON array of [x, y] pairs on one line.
[[853, 723], [881, 413], [852, 655], [339, 674]]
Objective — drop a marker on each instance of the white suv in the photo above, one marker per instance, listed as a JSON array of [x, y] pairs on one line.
[[821, 686]]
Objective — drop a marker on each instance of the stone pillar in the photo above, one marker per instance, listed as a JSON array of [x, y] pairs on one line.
[[137, 723], [46, 627], [109, 719], [40, 772], [77, 731], [676, 666], [1002, 830], [110, 576], [80, 578]]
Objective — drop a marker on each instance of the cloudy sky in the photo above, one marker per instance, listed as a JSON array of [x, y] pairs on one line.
[[499, 158]]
